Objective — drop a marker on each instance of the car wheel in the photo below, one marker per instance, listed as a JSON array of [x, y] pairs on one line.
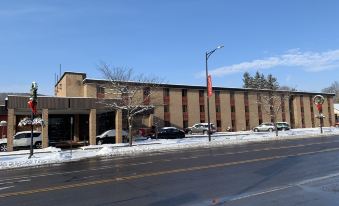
[[100, 142], [38, 145], [270, 130], [190, 132], [205, 132], [3, 148], [256, 130]]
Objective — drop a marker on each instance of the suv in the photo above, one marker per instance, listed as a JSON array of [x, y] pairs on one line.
[[283, 126], [200, 128], [22, 139], [264, 127]]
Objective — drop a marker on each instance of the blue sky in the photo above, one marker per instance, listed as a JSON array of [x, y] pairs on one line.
[[296, 41]]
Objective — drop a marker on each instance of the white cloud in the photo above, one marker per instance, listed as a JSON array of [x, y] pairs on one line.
[[308, 61]]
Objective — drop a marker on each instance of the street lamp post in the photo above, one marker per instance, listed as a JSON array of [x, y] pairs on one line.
[[32, 103], [207, 55]]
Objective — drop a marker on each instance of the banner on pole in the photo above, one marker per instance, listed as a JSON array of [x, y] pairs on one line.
[[209, 85]]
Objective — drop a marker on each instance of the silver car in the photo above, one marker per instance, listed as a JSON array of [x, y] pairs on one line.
[[201, 128], [264, 127]]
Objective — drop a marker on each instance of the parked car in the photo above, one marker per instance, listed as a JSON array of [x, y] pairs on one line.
[[264, 127], [170, 133], [108, 137], [23, 140], [283, 126], [337, 124], [201, 128], [147, 131]]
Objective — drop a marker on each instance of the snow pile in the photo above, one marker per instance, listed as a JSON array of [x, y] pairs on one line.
[[53, 155]]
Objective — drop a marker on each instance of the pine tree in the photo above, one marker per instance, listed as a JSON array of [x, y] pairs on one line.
[[272, 82], [256, 80], [262, 82], [247, 80]]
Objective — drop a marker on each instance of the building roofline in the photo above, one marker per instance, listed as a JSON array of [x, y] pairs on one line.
[[70, 72], [199, 87]]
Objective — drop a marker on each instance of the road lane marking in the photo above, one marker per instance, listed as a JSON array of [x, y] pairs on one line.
[[3, 188], [275, 189], [119, 165], [75, 171], [174, 171], [23, 180]]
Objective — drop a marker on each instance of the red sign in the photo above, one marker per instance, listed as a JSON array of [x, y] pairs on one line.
[[209, 86]]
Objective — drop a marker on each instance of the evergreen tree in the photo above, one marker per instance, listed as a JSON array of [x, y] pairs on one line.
[[262, 82], [259, 81], [256, 81], [247, 80], [272, 82]]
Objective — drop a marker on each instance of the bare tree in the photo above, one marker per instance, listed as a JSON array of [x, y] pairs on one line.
[[272, 102], [132, 93], [334, 88]]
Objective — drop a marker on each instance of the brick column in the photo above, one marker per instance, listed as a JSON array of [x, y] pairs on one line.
[[10, 129], [45, 128], [92, 126], [118, 126], [150, 120]]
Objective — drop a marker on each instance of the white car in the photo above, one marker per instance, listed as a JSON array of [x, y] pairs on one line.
[[23, 139]]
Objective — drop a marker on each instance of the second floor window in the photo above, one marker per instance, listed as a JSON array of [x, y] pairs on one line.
[[184, 108]]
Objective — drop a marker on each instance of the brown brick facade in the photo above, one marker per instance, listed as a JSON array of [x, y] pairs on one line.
[[183, 105]]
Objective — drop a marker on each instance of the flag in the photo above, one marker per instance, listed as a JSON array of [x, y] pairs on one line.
[[209, 86]]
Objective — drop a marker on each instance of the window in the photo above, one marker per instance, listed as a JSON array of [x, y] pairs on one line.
[[184, 92], [201, 93], [232, 108], [100, 90], [217, 94], [247, 109], [147, 91], [184, 108], [233, 123], [217, 109], [166, 92], [259, 109], [232, 95], [185, 124], [167, 124], [218, 123], [202, 108], [166, 108], [20, 136], [246, 97]]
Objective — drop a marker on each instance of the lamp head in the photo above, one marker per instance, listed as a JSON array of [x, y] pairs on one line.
[[221, 46]]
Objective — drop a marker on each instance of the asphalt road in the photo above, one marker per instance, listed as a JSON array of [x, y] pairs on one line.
[[298, 172]]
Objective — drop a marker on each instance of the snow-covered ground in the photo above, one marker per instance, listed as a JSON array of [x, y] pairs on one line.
[[54, 155]]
